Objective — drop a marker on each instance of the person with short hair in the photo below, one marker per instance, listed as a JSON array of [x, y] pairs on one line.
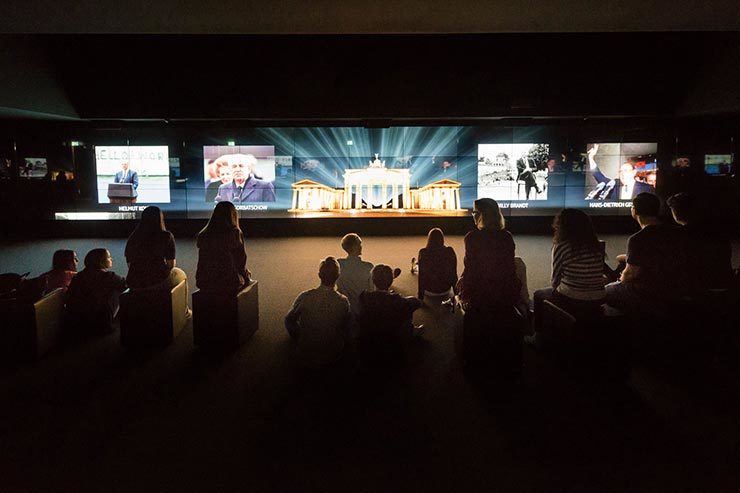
[[711, 251], [245, 185], [63, 269], [222, 260], [319, 319], [92, 296], [354, 276], [150, 254], [654, 274], [437, 266], [385, 316]]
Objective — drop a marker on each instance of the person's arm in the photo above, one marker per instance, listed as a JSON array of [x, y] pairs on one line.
[[117, 282], [630, 273], [557, 265], [633, 259], [422, 275], [598, 175], [292, 324], [453, 269], [240, 257], [135, 179], [465, 281], [170, 252]]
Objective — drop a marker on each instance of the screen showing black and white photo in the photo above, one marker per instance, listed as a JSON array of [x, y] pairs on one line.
[[513, 171]]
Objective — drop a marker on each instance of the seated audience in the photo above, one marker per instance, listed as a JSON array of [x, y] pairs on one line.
[[711, 252], [437, 266], [63, 269], [385, 316], [150, 254], [92, 297], [319, 319], [354, 273], [655, 265], [222, 260], [489, 276], [577, 281]]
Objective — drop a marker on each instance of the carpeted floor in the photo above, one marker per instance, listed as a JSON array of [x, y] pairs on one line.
[[93, 416]]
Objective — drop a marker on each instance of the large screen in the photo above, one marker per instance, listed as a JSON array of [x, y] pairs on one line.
[[132, 174], [614, 173], [307, 172]]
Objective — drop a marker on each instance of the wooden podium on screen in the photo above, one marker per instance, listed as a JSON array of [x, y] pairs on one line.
[[121, 193]]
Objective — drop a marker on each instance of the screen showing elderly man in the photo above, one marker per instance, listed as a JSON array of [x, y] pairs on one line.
[[246, 185]]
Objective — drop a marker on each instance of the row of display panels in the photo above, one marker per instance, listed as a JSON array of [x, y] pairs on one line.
[[399, 171]]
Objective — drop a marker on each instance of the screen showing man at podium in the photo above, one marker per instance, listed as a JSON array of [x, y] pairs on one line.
[[132, 174]]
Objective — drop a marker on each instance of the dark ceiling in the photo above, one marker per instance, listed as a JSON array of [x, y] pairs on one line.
[[542, 59], [365, 17]]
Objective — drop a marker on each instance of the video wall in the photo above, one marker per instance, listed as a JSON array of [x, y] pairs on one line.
[[360, 172]]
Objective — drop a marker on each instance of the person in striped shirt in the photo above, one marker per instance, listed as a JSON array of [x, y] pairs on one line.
[[577, 267]]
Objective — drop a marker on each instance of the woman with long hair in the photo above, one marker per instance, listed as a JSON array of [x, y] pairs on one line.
[[437, 266], [63, 269], [577, 281], [489, 291], [222, 260], [489, 274], [150, 254]]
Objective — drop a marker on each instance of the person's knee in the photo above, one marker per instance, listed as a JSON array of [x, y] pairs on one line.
[[177, 275]]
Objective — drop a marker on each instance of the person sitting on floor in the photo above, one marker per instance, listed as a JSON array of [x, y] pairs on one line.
[[354, 274], [319, 319], [577, 281], [437, 266], [222, 260], [710, 249], [655, 263], [385, 316], [63, 269], [93, 294]]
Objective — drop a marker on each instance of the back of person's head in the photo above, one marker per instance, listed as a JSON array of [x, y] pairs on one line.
[[382, 276], [152, 221], [682, 207], [64, 260], [329, 271], [97, 259], [223, 218], [646, 205], [574, 226], [489, 214], [351, 242], [435, 238]]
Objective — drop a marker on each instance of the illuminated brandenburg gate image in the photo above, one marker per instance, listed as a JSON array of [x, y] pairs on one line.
[[379, 189]]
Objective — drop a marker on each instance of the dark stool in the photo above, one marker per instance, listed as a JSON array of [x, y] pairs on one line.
[[30, 329], [225, 320], [491, 340], [596, 342], [153, 317]]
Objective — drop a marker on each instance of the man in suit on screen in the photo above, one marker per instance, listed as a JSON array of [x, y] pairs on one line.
[[127, 175], [245, 186]]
